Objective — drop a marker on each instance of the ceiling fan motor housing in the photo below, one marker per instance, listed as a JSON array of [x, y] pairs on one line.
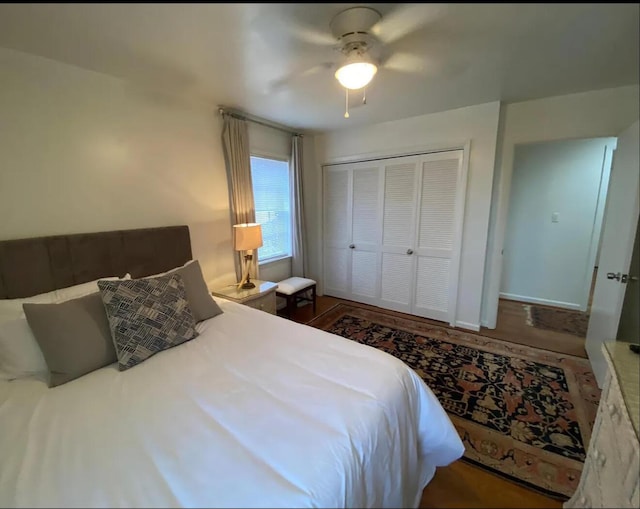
[[357, 47], [352, 27]]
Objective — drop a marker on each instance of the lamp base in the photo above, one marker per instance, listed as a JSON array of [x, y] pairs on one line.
[[248, 285]]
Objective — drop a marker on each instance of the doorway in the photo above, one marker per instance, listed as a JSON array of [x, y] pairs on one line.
[[552, 242]]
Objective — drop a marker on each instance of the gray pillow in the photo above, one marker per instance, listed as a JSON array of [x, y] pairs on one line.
[[147, 316], [202, 304], [74, 336]]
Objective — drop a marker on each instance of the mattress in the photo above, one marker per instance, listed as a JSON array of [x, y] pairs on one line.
[[257, 411]]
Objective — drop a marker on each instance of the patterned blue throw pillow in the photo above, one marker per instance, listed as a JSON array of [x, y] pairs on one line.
[[147, 316]]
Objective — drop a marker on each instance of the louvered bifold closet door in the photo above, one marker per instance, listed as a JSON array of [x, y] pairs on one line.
[[438, 235], [337, 231], [398, 232], [366, 232]]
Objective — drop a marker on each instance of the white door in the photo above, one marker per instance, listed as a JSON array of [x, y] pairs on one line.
[[337, 231], [366, 231], [438, 235], [618, 234], [393, 230], [398, 233]]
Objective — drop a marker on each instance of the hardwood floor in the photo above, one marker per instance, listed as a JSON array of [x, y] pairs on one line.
[[512, 326], [462, 484]]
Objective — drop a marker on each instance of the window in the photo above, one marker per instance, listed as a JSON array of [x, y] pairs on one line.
[[272, 199]]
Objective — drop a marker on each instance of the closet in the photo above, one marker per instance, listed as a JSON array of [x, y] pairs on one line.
[[392, 232]]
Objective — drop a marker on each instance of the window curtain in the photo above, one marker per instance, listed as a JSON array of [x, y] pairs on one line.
[[298, 261], [235, 144]]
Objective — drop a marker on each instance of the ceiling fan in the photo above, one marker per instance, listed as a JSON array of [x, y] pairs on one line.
[[352, 29], [362, 39]]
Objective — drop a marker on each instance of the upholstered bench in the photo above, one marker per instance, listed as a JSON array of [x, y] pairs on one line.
[[294, 290]]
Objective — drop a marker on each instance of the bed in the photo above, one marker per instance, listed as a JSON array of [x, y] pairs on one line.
[[256, 411]]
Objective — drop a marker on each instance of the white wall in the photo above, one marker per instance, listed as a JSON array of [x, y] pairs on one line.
[[592, 114], [551, 262], [85, 152], [449, 129]]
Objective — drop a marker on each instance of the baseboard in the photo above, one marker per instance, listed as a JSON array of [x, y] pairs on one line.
[[466, 325], [544, 302]]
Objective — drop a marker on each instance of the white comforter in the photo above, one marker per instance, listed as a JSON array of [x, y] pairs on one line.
[[256, 411]]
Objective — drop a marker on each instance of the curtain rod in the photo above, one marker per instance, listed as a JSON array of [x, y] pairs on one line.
[[256, 120]]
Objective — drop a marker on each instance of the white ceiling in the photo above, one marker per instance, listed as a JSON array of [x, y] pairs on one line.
[[239, 55]]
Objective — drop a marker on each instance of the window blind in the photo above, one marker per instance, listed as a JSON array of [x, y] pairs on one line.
[[273, 206]]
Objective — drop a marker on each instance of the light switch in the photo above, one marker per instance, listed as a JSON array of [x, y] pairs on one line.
[[555, 217]]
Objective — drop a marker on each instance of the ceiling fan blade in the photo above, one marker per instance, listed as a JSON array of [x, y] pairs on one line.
[[426, 65], [406, 19], [292, 78], [312, 35], [282, 25], [406, 62]]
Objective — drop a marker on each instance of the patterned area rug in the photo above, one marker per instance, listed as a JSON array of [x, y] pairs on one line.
[[521, 412], [557, 320]]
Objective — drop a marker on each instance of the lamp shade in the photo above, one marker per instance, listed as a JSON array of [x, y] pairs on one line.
[[355, 75], [247, 236]]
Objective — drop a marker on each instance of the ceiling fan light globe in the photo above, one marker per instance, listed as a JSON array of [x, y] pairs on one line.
[[356, 75]]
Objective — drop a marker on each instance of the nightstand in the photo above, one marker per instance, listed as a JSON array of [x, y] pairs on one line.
[[262, 297]]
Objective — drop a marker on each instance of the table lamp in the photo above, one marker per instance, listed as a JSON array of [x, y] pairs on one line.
[[248, 236]]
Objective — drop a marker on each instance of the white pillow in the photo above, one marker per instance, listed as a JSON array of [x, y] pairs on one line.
[[169, 271], [11, 309], [20, 354], [81, 290]]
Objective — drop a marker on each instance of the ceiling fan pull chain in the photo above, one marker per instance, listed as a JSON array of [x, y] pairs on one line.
[[346, 104], [364, 95]]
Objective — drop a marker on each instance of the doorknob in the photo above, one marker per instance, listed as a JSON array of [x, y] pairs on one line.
[[352, 246], [623, 278], [409, 251]]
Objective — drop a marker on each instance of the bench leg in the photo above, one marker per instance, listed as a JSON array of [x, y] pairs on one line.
[[291, 300], [313, 296]]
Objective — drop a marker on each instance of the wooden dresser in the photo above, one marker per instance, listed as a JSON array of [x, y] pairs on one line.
[[611, 474]]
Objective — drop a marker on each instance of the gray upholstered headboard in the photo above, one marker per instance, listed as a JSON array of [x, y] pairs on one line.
[[42, 264]]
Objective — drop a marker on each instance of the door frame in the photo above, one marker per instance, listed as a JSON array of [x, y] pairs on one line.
[[464, 145], [505, 159], [581, 303]]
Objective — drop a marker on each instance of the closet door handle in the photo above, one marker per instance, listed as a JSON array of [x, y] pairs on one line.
[[352, 246], [409, 251]]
